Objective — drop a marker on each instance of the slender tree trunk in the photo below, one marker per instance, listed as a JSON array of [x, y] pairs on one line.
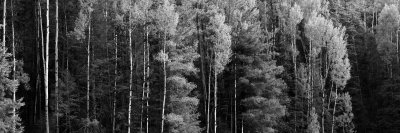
[[47, 67], [115, 82], [42, 38], [242, 126], [147, 81], [397, 45], [235, 99], [165, 85], [215, 98], [37, 62], [88, 73], [14, 70], [309, 82], [93, 84], [334, 109], [4, 24], [209, 97], [131, 72], [56, 69], [130, 80], [143, 87]]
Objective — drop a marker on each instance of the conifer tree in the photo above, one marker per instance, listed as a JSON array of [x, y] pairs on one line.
[[313, 127], [263, 104]]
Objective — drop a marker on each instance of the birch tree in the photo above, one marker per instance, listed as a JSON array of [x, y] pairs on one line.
[[56, 70], [46, 73]]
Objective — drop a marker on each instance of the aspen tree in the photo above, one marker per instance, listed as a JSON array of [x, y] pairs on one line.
[[130, 67], [46, 75], [56, 70]]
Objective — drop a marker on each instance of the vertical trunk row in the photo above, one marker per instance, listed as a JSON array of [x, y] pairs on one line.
[[56, 68]]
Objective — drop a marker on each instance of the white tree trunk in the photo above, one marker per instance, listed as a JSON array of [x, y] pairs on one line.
[[147, 81], [165, 86], [215, 99], [14, 70], [130, 69], [56, 69], [46, 81], [88, 74], [209, 98]]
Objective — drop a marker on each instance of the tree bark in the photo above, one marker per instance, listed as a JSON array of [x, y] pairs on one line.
[[47, 67], [88, 73], [215, 97], [56, 69], [165, 85], [130, 80], [131, 71]]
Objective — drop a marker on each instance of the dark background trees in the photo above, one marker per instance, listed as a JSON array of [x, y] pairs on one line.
[[140, 65]]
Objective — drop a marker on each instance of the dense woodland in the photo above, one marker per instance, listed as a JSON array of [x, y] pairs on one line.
[[200, 66]]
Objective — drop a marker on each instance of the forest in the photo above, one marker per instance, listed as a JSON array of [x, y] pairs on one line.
[[199, 66]]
